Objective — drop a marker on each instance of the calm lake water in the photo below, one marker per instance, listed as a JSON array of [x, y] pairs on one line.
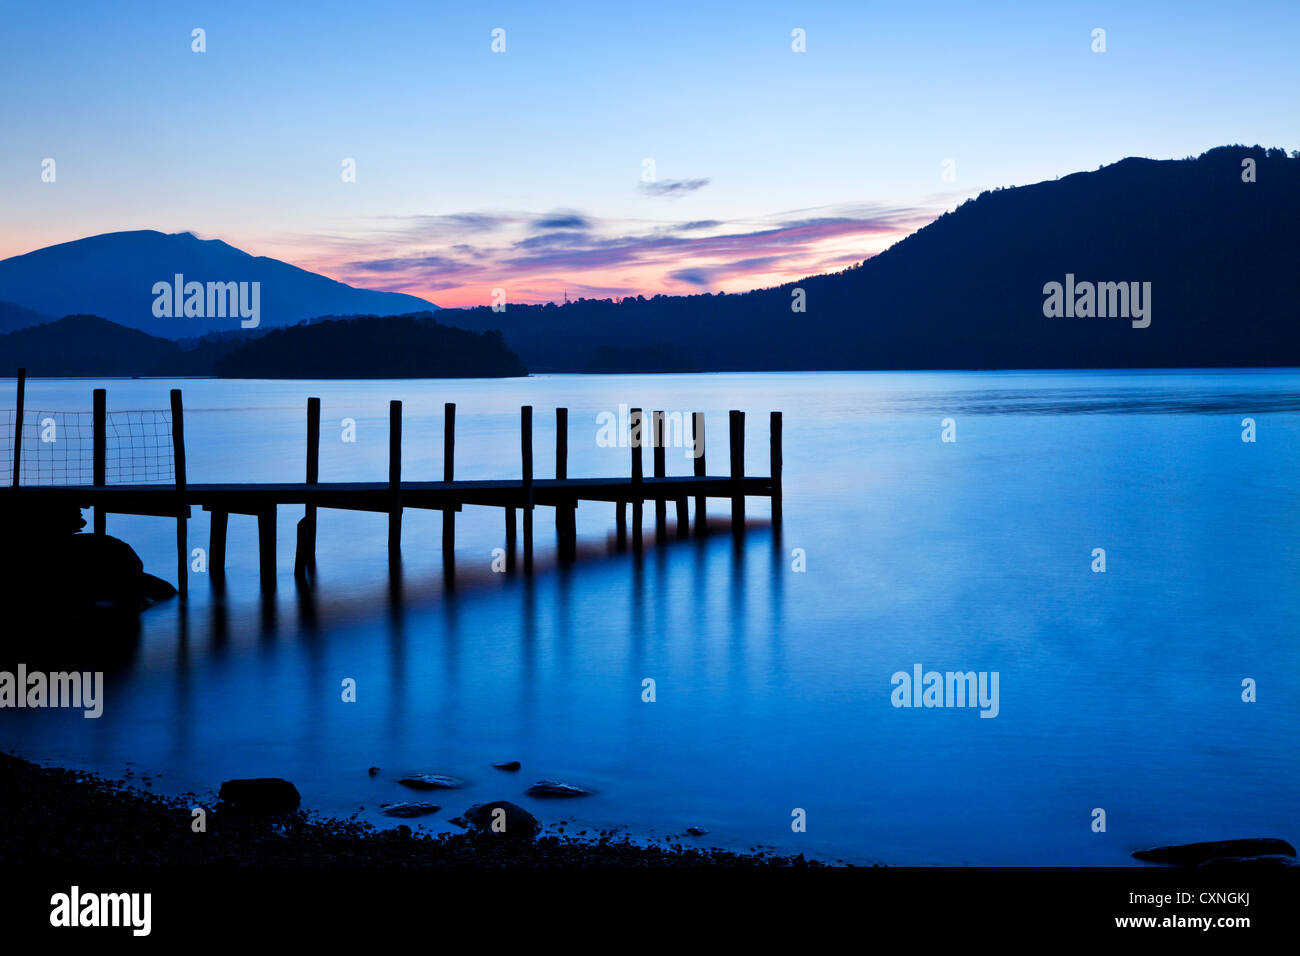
[[1119, 690]]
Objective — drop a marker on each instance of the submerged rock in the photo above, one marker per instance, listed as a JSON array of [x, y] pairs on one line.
[[511, 765], [431, 781], [409, 809], [554, 788], [260, 795], [512, 820], [1194, 854], [696, 831], [1267, 861]]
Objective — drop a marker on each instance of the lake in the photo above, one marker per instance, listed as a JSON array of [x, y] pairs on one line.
[[772, 664]]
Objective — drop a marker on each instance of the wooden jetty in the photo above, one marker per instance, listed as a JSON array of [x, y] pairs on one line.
[[514, 495]]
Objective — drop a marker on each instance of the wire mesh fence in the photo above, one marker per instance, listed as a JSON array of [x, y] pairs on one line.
[[58, 448]]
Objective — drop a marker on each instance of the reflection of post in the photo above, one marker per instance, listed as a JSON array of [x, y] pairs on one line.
[[182, 509], [448, 475], [100, 432], [737, 436], [18, 424], [526, 449], [697, 439], [775, 432], [635, 426], [661, 470]]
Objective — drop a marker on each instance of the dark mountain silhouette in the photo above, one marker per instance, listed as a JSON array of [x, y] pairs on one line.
[[14, 317], [966, 291], [361, 347], [85, 345], [113, 275], [373, 347]]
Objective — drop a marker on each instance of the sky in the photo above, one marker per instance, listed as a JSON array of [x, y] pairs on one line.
[[611, 149]]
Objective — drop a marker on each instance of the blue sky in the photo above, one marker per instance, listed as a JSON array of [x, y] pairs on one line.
[[523, 169]]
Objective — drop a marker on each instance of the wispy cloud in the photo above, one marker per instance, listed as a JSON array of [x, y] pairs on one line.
[[458, 259], [672, 188]]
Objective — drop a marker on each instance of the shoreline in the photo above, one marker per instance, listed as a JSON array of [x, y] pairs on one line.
[[59, 816]]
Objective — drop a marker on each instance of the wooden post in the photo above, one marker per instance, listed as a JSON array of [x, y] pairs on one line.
[[182, 509], [661, 471], [566, 518], [448, 474], [266, 547], [18, 425], [395, 479], [313, 474], [510, 537], [737, 436], [620, 523], [526, 449], [636, 425], [697, 439], [775, 440], [217, 544], [683, 518], [100, 432]]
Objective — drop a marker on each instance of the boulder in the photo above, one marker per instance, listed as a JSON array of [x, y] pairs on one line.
[[1194, 854], [260, 795], [510, 765], [519, 823]]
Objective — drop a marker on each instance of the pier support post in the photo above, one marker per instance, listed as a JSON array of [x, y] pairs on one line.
[[266, 547], [661, 471], [775, 441], [566, 517], [697, 442], [526, 449], [306, 557], [636, 426], [217, 544], [510, 538], [737, 437], [182, 509], [395, 480], [448, 475], [100, 432]]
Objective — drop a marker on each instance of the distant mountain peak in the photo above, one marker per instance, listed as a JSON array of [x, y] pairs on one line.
[[114, 275]]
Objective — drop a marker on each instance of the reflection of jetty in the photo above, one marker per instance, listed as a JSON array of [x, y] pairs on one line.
[[514, 495]]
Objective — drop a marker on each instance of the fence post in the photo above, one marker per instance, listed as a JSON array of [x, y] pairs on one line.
[[182, 509], [100, 431], [18, 425]]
